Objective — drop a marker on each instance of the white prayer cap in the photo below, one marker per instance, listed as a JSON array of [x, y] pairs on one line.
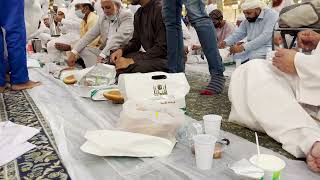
[[252, 4], [64, 10], [116, 1], [45, 17], [81, 2], [211, 7]]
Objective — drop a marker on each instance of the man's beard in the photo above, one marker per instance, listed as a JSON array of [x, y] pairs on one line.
[[135, 2], [252, 20]]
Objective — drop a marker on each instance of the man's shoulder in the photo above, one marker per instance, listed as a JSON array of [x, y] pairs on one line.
[[271, 13], [124, 13]]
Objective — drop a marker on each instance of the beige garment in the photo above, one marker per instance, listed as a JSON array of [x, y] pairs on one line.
[[267, 100], [86, 26]]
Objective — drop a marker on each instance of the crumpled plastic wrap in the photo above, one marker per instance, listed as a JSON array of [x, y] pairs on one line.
[[96, 77], [150, 118], [246, 169]]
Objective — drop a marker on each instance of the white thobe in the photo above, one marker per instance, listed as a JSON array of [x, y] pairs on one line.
[[268, 100], [71, 28]]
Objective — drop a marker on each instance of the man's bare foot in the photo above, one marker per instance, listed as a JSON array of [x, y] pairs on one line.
[[27, 85], [313, 158]]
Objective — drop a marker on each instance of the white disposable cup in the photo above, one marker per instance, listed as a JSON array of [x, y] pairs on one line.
[[271, 165], [204, 148], [212, 124], [270, 55]]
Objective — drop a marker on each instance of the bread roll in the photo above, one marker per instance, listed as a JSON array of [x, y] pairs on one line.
[[70, 80], [114, 96]]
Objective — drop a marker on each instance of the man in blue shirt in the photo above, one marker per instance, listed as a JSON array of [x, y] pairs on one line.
[[257, 29], [13, 46]]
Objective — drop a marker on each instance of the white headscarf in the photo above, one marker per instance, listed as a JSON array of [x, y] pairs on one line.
[[211, 7], [252, 4], [64, 10]]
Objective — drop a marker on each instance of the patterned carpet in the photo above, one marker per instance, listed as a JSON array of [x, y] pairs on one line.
[[42, 162]]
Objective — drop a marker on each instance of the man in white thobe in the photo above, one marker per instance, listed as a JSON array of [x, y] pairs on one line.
[[70, 29], [115, 27], [282, 98]]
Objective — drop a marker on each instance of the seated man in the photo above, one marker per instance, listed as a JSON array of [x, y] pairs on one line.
[[282, 98], [84, 11], [69, 24], [150, 33], [223, 28], [43, 28], [258, 28], [115, 27]]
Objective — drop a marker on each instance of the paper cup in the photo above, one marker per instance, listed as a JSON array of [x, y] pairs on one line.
[[204, 147], [212, 124], [271, 165], [270, 55]]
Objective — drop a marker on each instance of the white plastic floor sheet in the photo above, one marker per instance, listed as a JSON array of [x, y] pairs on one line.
[[71, 116]]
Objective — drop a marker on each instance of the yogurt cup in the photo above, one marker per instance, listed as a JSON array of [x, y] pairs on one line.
[[271, 165]]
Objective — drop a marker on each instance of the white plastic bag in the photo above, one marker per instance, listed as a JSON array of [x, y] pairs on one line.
[[96, 77], [144, 129], [167, 89], [150, 118]]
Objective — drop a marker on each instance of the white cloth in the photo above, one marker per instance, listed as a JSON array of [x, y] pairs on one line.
[[13, 141], [126, 144], [252, 4], [211, 7], [32, 13], [70, 38], [133, 8], [43, 29], [284, 4], [271, 101], [97, 7], [44, 7], [90, 55]]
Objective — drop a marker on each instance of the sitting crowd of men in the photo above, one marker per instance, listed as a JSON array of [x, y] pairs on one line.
[[280, 98]]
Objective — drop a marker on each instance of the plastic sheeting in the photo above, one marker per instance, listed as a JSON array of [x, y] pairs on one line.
[[71, 116]]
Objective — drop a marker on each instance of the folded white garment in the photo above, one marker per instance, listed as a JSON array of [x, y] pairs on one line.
[[120, 143], [13, 140]]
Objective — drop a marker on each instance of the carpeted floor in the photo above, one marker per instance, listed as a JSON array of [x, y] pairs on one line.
[[198, 106], [42, 162]]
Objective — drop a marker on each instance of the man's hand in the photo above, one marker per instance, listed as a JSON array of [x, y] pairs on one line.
[[222, 45], [72, 60], [196, 47], [308, 40], [63, 47], [100, 59], [116, 56], [284, 61], [123, 63], [236, 49], [57, 18]]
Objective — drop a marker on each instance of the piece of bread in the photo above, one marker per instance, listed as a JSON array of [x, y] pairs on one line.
[[114, 96], [70, 79]]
